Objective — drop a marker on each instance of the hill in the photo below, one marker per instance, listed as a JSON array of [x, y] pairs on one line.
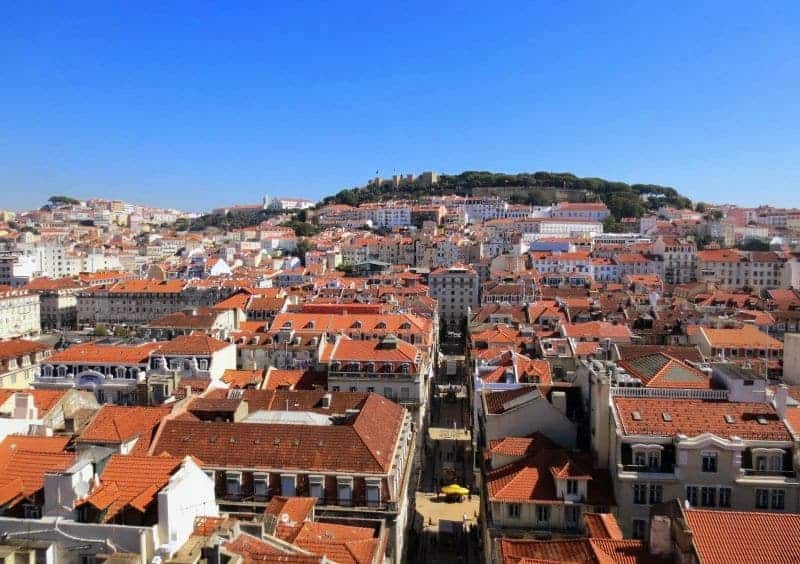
[[538, 188]]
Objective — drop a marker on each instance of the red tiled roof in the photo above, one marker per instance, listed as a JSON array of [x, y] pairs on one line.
[[575, 551], [91, 353], [115, 424], [16, 348], [724, 537], [22, 473], [520, 446], [597, 330], [242, 378], [131, 481], [532, 478], [602, 526], [296, 509], [277, 378], [33, 443], [751, 421], [365, 445]]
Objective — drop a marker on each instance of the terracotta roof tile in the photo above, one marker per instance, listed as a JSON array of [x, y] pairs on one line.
[[751, 421], [116, 424], [131, 481], [365, 445], [722, 537], [22, 473]]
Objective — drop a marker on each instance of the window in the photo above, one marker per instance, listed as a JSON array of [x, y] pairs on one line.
[[345, 488], [640, 494], [543, 514], [260, 484], [653, 459], [288, 485], [656, 493], [709, 462], [777, 500], [315, 486], [572, 487], [762, 498], [761, 463], [373, 492], [776, 462], [571, 516], [31, 511], [514, 510], [639, 458], [691, 495], [639, 528], [233, 483], [724, 497], [708, 496]]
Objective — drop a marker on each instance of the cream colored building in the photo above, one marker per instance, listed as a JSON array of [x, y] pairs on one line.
[[18, 361], [456, 289], [19, 314], [698, 446]]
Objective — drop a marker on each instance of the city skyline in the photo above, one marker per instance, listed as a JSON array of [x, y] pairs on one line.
[[222, 106]]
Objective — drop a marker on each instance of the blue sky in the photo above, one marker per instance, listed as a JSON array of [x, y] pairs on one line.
[[198, 104]]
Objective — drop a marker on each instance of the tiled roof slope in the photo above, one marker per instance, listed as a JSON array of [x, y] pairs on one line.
[[131, 481], [723, 537], [365, 445], [22, 473], [116, 424], [750, 421]]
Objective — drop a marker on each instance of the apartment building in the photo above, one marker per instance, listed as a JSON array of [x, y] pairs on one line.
[[746, 346], [350, 451], [391, 367], [596, 211], [731, 268], [19, 359], [58, 301], [678, 257], [19, 313], [710, 448], [111, 372], [456, 290], [535, 485]]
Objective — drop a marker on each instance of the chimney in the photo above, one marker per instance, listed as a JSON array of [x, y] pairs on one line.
[[559, 401], [781, 393], [326, 401], [24, 407], [660, 535]]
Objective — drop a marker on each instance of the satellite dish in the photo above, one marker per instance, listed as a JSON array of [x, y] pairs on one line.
[[285, 518]]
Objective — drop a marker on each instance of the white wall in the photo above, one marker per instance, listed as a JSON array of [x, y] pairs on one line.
[[189, 494]]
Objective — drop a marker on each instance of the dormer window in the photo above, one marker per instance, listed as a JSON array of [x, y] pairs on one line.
[[356, 325], [381, 325], [572, 487]]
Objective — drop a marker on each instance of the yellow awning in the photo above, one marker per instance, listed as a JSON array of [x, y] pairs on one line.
[[454, 489]]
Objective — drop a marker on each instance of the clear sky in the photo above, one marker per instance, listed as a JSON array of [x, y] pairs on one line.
[[199, 104]]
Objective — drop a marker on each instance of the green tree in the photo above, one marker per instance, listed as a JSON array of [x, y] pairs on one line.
[[100, 331]]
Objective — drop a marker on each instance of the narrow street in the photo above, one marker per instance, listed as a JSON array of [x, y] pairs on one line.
[[445, 530]]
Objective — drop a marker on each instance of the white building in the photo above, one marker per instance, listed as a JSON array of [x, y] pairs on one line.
[[19, 314]]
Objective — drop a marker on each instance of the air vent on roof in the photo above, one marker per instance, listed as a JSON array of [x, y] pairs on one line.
[[276, 441], [666, 416], [320, 443], [296, 442], [636, 416], [212, 439], [257, 441], [761, 420], [729, 419], [232, 440]]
